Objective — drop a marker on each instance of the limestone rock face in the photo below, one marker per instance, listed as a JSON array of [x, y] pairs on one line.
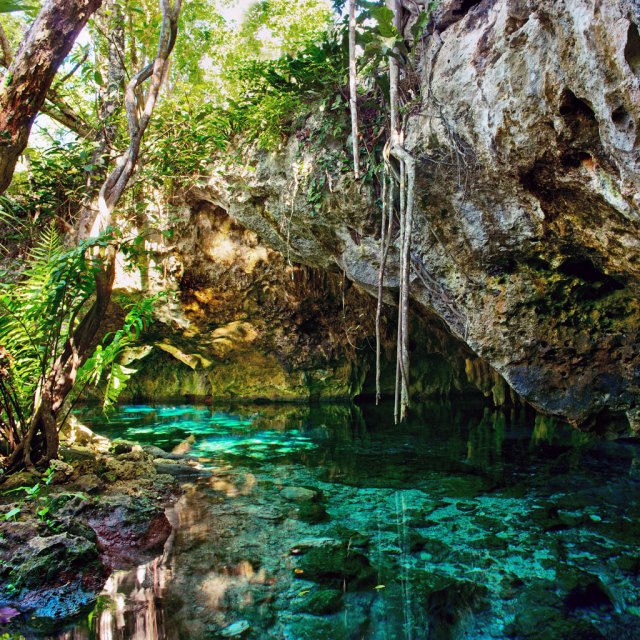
[[527, 234], [247, 323]]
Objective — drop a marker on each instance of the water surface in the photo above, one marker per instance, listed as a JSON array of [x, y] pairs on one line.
[[330, 522]]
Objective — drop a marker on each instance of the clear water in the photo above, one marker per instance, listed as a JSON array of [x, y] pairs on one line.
[[330, 522]]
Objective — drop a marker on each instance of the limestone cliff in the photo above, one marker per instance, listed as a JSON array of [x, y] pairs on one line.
[[526, 242], [245, 323]]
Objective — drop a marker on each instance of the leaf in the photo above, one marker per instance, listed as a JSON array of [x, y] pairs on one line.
[[32, 491], [12, 513], [384, 17], [421, 23], [9, 6], [97, 76]]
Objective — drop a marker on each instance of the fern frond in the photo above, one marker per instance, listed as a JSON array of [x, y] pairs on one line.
[[105, 363], [116, 382]]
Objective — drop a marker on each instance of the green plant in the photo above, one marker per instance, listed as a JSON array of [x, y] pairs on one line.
[[12, 513], [104, 365], [31, 494], [37, 314], [38, 317]]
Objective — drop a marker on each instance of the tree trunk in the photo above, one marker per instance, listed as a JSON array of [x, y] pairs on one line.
[[31, 73]]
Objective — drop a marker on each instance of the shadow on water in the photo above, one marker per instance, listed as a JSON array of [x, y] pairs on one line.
[[329, 521]]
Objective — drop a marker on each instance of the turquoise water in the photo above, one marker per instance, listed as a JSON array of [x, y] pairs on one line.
[[330, 522]]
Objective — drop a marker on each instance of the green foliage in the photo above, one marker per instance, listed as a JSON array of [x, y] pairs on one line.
[[38, 315], [31, 493], [272, 92], [58, 178], [12, 222], [104, 366], [10, 6], [182, 140]]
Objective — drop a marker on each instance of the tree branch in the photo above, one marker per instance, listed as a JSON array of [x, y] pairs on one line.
[[73, 70], [57, 109]]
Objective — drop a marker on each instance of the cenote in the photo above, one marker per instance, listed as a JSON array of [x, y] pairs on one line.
[[329, 521]]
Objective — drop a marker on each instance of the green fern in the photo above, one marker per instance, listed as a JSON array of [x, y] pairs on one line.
[[105, 363], [38, 312]]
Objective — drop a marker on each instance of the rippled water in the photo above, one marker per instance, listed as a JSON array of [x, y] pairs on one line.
[[330, 522]]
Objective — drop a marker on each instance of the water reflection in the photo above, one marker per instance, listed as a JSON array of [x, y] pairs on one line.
[[331, 522]]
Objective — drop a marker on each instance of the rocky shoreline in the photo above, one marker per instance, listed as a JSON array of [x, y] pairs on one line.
[[100, 508]]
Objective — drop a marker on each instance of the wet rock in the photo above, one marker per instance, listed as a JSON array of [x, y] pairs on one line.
[[466, 507], [320, 602], [307, 627], [547, 623], [553, 518], [130, 530], [415, 541], [583, 590], [447, 600], [48, 558], [121, 446], [436, 550], [629, 564], [69, 504], [178, 469], [351, 537], [50, 576], [305, 544], [77, 452], [157, 452], [127, 466], [464, 487], [491, 543], [20, 479], [89, 483], [62, 471], [487, 522]]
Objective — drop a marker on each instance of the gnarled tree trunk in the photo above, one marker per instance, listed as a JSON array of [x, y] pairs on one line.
[[31, 73]]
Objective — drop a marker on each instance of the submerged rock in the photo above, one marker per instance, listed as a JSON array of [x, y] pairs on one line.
[[335, 566], [311, 512], [300, 494], [235, 630], [320, 602]]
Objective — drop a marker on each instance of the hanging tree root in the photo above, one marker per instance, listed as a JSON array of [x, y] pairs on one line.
[[407, 186], [406, 179], [385, 243]]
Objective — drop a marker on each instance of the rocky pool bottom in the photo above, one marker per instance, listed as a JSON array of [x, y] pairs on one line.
[[330, 522]]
